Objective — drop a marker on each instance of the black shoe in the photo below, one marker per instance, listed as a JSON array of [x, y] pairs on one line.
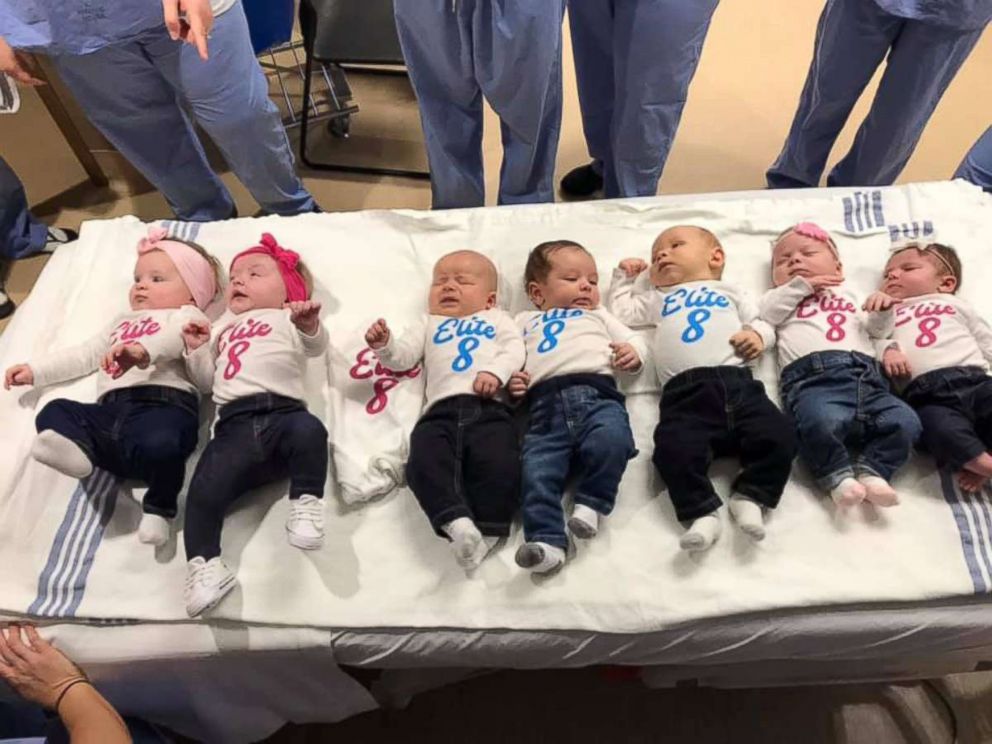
[[58, 236], [581, 181], [7, 305]]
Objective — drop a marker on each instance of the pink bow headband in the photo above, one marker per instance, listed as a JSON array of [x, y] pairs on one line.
[[286, 260], [809, 230], [195, 270]]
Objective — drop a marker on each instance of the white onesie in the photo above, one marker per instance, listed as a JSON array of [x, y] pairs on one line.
[[455, 350], [158, 331], [564, 341], [941, 330], [693, 321], [830, 320]]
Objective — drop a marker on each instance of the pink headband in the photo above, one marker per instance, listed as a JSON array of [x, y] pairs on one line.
[[193, 268], [296, 287], [809, 230]]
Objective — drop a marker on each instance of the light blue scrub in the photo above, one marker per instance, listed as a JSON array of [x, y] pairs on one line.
[[135, 87], [20, 233], [926, 42], [634, 60], [509, 51], [977, 164]]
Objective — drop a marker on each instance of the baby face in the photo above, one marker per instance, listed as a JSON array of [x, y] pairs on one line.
[[464, 283], [798, 255], [685, 254], [572, 281], [911, 273], [157, 284], [255, 283]]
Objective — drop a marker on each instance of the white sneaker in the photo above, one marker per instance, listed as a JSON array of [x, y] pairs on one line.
[[207, 582], [154, 530], [305, 525]]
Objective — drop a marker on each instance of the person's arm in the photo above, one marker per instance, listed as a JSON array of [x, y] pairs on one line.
[[42, 674], [17, 65], [510, 350], [190, 21], [629, 349], [68, 364], [403, 352], [979, 329], [747, 310], [312, 333], [779, 303], [633, 300]]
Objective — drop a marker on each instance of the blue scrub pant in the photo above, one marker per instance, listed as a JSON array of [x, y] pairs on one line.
[[634, 60], [137, 93], [977, 164], [20, 233], [509, 51], [852, 39]]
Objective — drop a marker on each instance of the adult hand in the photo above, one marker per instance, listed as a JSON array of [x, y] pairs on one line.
[[17, 65], [36, 670], [194, 28]]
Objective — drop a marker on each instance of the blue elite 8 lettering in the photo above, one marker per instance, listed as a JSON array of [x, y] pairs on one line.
[[470, 332], [697, 301], [552, 323]]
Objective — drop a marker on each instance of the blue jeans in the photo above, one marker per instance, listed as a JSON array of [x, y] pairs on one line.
[[21, 234], [144, 432], [840, 402], [578, 419]]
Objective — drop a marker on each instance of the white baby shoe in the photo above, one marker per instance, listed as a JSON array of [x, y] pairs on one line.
[[305, 524], [207, 583]]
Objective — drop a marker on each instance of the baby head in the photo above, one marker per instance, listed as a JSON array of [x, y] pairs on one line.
[[916, 269], [464, 282], [171, 273], [804, 250], [267, 276], [561, 273], [686, 253]]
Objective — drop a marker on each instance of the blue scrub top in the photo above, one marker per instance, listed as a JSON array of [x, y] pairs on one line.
[[75, 26], [963, 14]]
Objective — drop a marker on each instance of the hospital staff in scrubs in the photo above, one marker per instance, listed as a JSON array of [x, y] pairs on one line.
[[136, 84], [926, 42], [634, 60], [977, 164], [508, 51]]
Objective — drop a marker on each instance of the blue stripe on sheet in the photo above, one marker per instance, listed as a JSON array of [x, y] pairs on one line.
[[911, 230], [848, 214], [182, 230], [975, 546], [63, 580], [876, 208], [863, 211]]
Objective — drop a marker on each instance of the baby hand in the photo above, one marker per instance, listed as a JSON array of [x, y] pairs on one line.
[[122, 357], [195, 334], [822, 281], [518, 384], [747, 344], [19, 374], [878, 302], [895, 363], [625, 357], [377, 335], [486, 384], [305, 315], [633, 266]]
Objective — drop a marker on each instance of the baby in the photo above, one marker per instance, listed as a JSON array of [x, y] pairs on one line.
[[145, 421], [853, 432], [706, 334], [464, 465], [577, 415], [257, 358], [942, 349]]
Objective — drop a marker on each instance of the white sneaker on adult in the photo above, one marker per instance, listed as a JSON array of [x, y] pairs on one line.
[[305, 524], [154, 530], [207, 583]]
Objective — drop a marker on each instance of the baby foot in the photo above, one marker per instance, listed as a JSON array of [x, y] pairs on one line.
[[465, 540], [540, 558], [153, 530], [971, 482], [584, 522], [701, 534], [878, 491], [848, 493], [486, 546], [61, 453], [749, 516]]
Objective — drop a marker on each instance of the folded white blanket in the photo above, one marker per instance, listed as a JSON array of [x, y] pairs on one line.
[[70, 550]]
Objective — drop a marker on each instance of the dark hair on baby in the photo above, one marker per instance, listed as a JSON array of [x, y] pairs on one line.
[[539, 261], [946, 259]]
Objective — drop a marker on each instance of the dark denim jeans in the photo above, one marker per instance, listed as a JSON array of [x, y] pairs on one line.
[[720, 411], [257, 440], [841, 403], [575, 420], [955, 407], [465, 462], [144, 432]]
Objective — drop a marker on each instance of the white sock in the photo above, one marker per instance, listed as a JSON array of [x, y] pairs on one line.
[[584, 522], [465, 539], [59, 452], [848, 493], [539, 557], [878, 491], [482, 551], [153, 530], [748, 515], [702, 533]]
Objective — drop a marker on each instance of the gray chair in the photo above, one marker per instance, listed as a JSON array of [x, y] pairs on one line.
[[351, 33]]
